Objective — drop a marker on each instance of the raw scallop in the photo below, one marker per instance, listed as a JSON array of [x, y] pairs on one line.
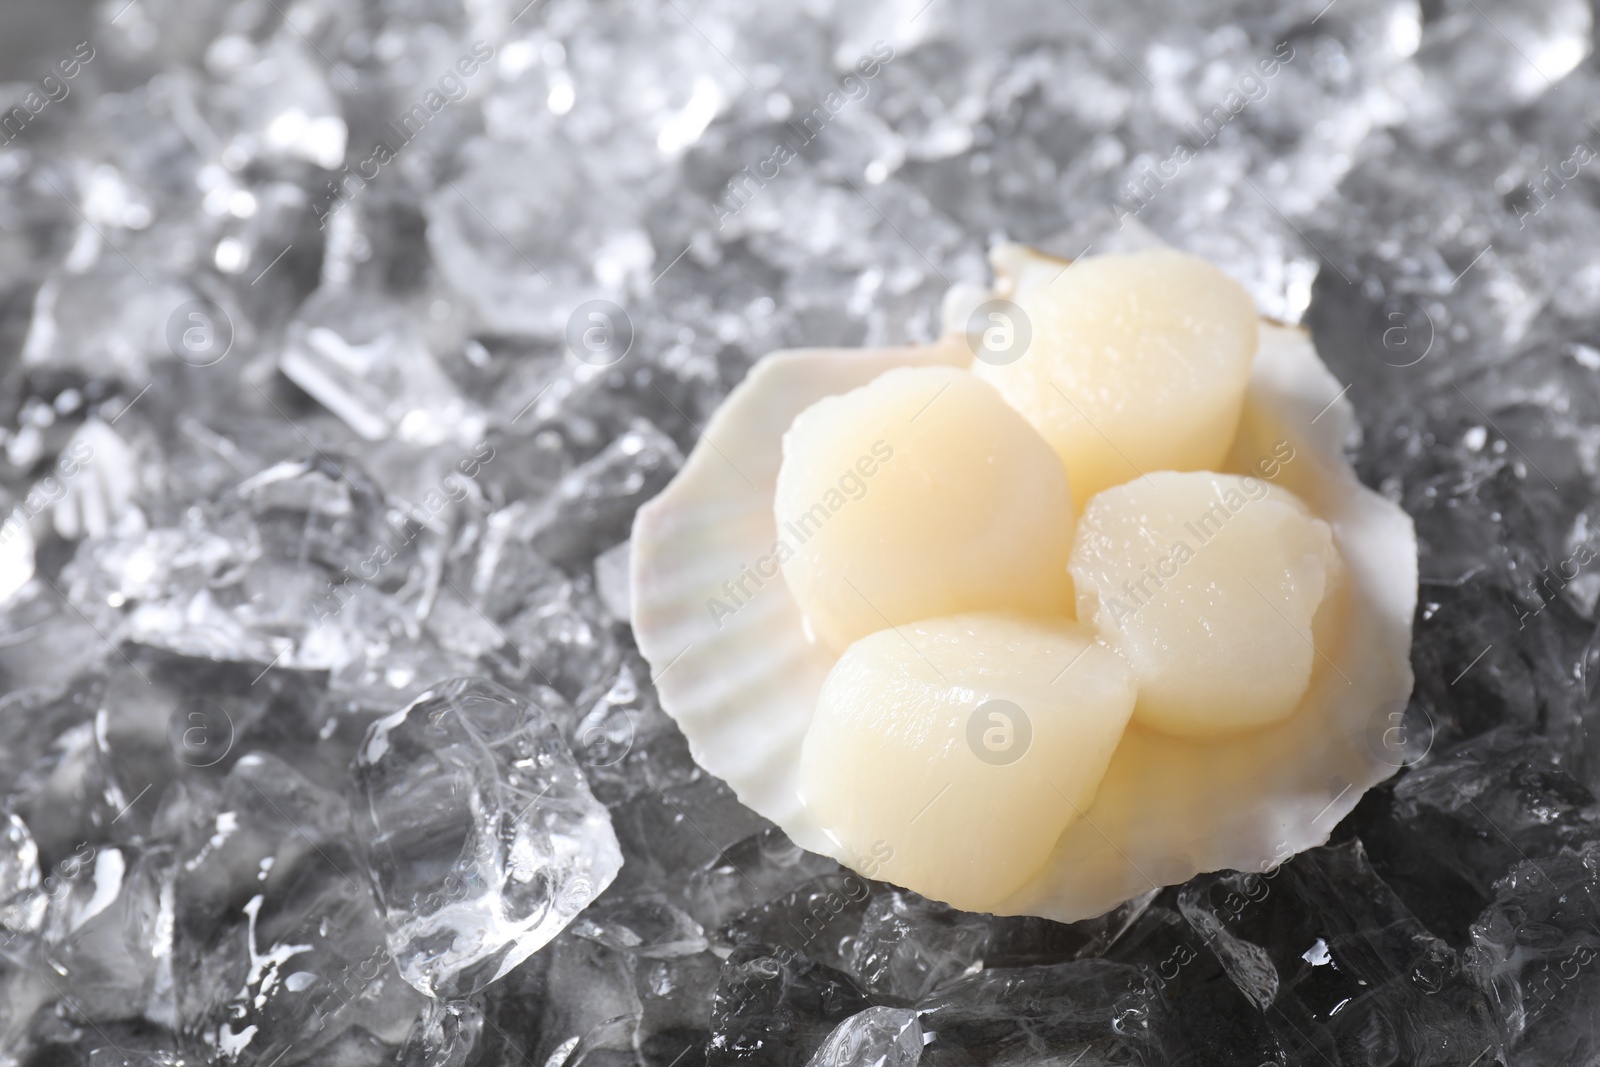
[[1211, 586], [744, 687], [919, 495], [1133, 363], [956, 750]]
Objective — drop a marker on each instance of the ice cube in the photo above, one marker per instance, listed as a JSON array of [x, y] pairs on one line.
[[592, 507], [775, 1008], [1461, 819], [107, 935], [444, 1036], [1104, 1012], [21, 903], [1535, 949], [907, 946], [482, 837], [877, 1037], [278, 945], [1336, 962]]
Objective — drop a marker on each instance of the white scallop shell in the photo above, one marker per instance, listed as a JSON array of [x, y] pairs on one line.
[[743, 686]]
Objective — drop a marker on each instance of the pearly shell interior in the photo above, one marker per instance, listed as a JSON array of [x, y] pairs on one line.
[[734, 667]]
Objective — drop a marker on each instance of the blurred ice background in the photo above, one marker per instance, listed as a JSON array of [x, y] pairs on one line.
[[342, 338]]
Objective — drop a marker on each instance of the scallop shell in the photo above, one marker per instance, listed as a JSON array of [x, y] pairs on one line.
[[743, 686]]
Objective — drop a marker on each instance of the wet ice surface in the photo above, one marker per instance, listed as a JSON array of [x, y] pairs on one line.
[[308, 408], [482, 836]]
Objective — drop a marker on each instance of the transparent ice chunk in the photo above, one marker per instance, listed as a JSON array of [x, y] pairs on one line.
[[483, 839], [21, 903], [107, 934], [366, 362], [774, 1007], [1536, 950], [278, 945], [878, 1037], [907, 946]]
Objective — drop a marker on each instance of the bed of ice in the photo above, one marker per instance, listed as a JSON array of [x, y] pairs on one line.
[[342, 339]]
